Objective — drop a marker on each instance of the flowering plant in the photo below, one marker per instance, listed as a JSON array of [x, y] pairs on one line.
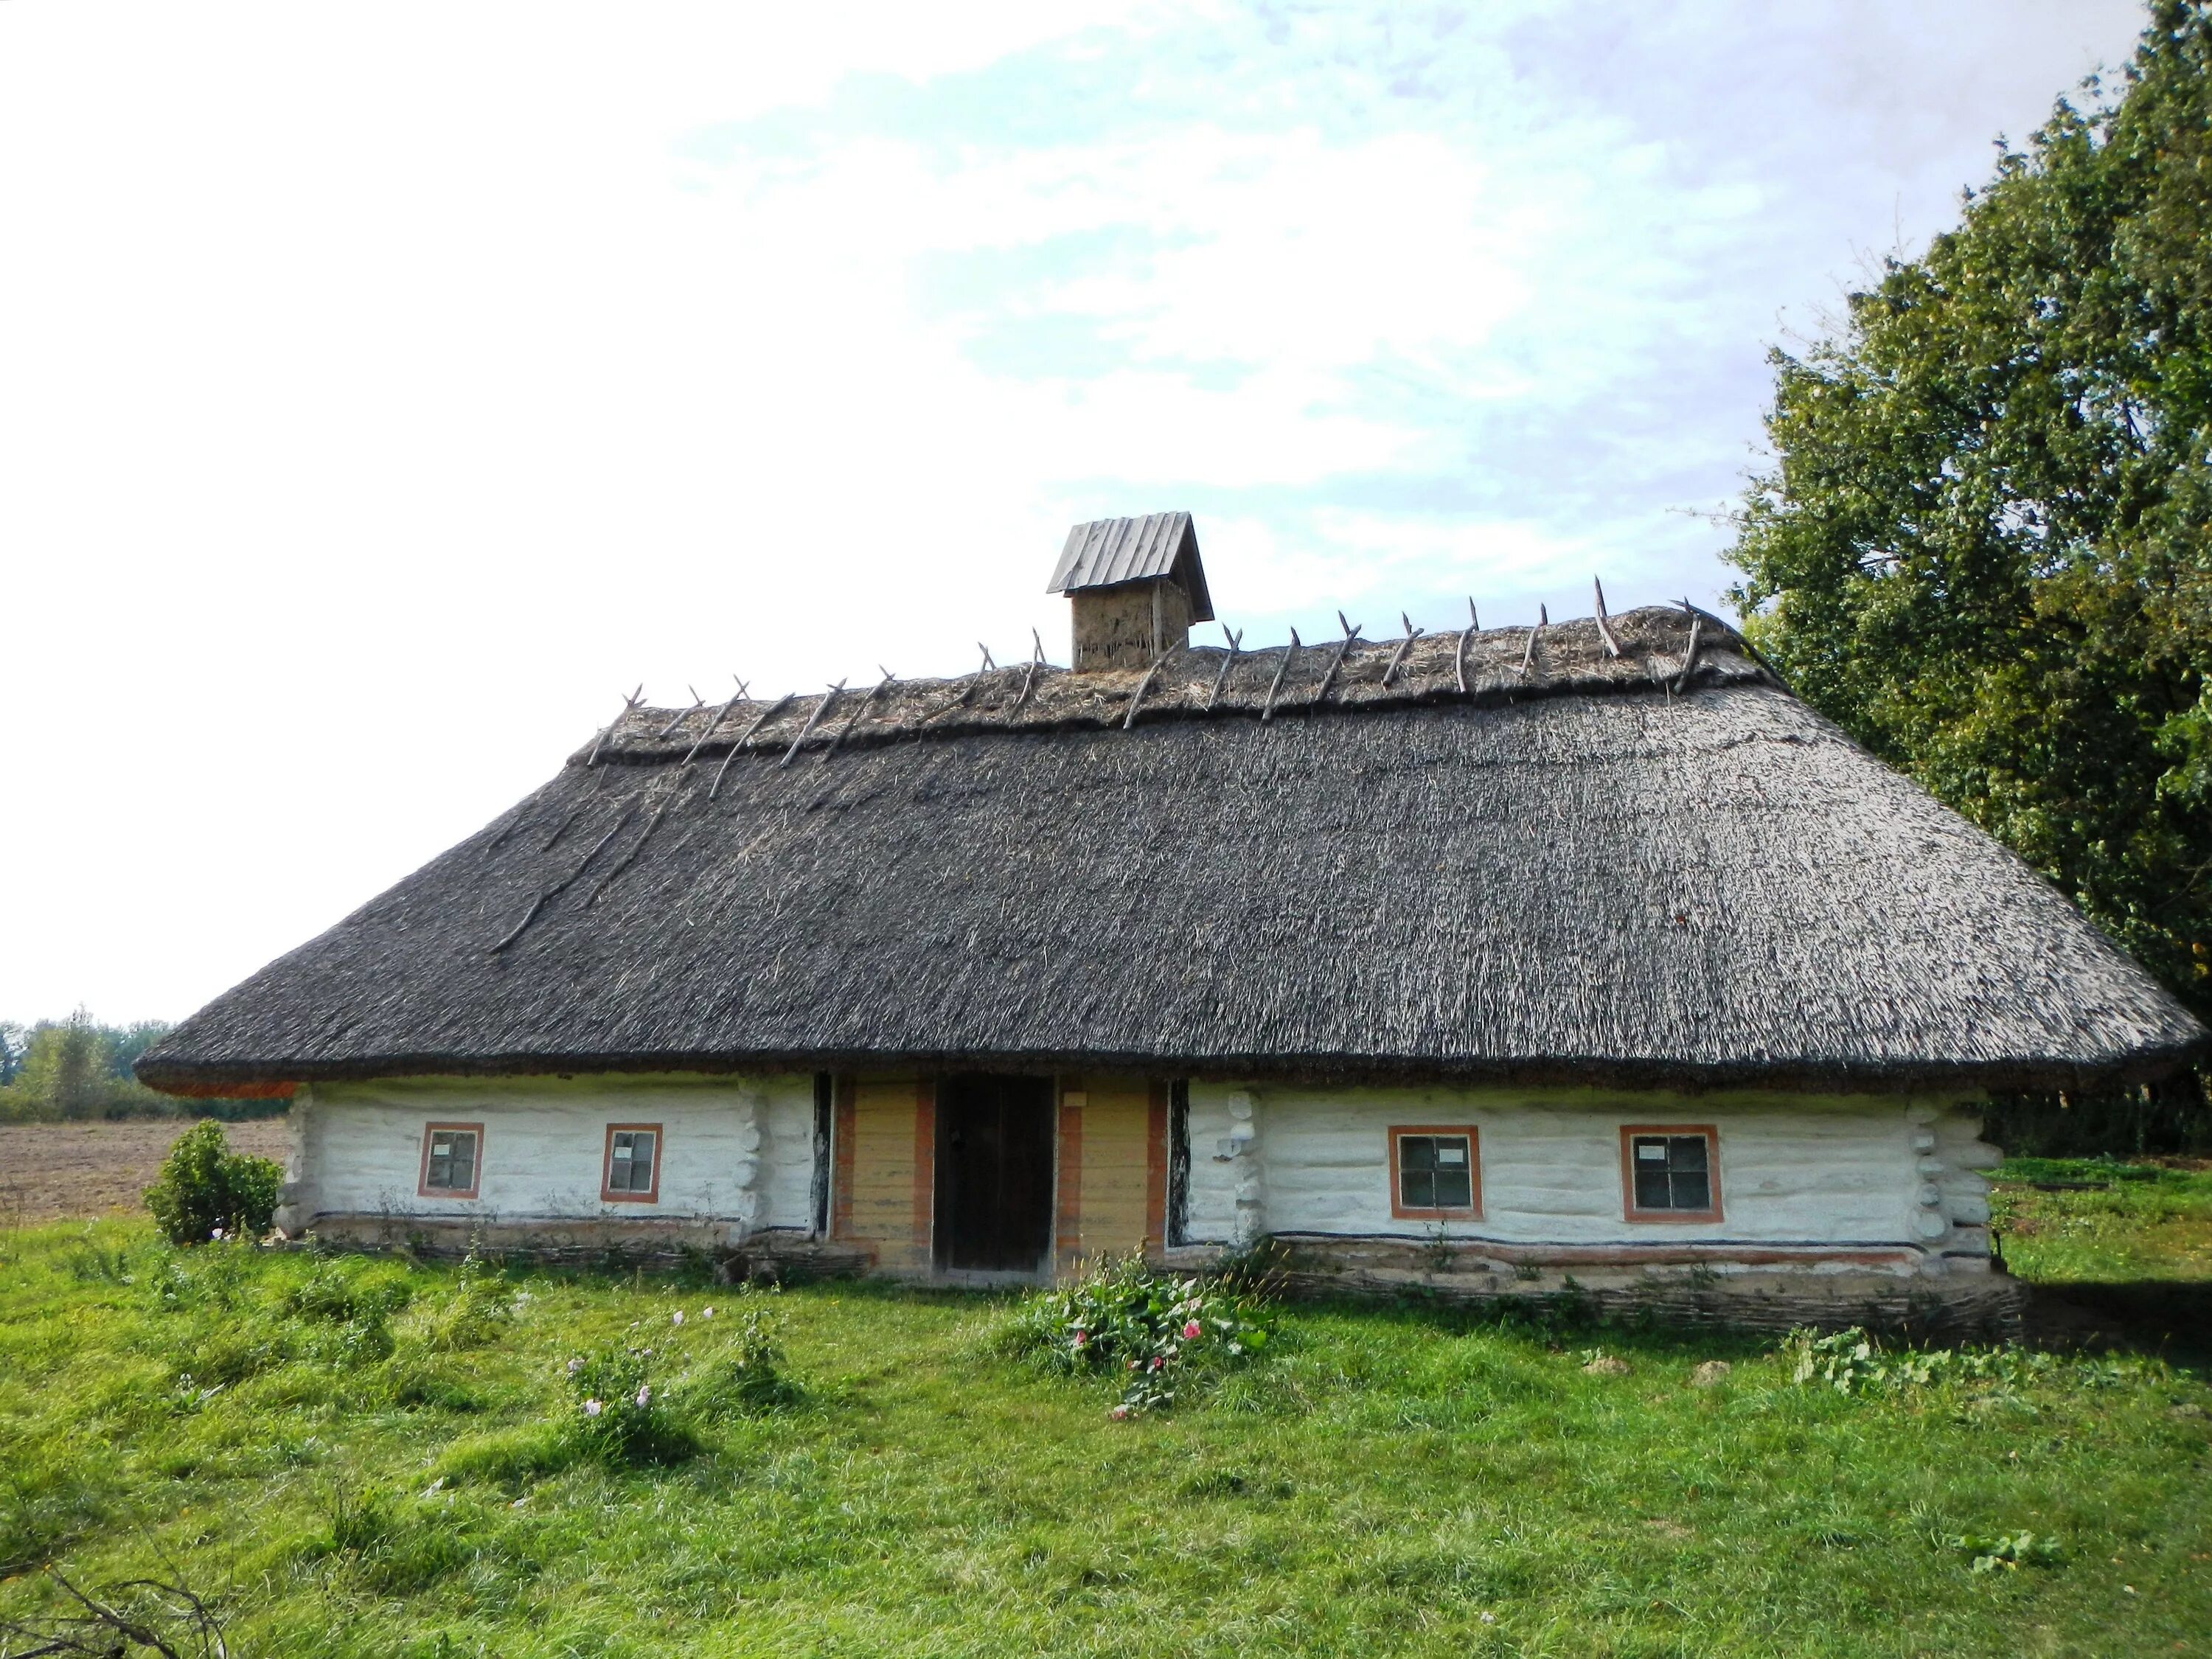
[[618, 1413], [1153, 1330]]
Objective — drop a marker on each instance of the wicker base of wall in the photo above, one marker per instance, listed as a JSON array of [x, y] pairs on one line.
[[1970, 1305], [595, 1242]]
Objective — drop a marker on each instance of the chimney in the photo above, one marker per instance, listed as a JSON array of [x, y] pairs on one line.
[[1136, 585]]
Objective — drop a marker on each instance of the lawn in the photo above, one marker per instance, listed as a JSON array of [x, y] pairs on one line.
[[346, 1474]]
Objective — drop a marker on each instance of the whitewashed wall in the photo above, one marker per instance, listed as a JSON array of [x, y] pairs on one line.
[[736, 1150], [1794, 1169]]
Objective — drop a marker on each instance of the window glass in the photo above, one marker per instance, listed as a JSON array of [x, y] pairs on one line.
[[629, 1161], [1672, 1172], [1435, 1172], [452, 1161]]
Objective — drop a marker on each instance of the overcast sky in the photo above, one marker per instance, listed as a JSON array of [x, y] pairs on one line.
[[385, 389]]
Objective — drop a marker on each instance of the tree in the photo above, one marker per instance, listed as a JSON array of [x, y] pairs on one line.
[[65, 1066], [1985, 547]]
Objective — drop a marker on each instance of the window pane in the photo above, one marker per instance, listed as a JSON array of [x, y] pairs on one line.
[[451, 1163], [1651, 1149], [1686, 1152], [641, 1164], [1651, 1189], [1417, 1188], [1451, 1151], [1453, 1190], [1417, 1152], [1692, 1191]]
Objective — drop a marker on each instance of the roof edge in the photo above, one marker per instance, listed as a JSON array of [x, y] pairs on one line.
[[176, 1075]]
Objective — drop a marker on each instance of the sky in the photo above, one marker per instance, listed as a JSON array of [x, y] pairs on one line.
[[386, 389]]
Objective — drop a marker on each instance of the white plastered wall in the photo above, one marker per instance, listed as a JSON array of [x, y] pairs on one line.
[[1795, 1170], [734, 1151]]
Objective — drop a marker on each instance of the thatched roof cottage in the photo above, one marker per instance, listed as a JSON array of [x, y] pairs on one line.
[[1490, 959]]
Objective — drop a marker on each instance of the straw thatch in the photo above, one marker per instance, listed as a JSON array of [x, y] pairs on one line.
[[1528, 880]]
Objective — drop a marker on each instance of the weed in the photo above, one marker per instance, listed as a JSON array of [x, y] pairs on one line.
[[2008, 1552]]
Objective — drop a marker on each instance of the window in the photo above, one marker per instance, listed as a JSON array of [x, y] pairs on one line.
[[1671, 1172], [633, 1165], [453, 1160], [1434, 1173]]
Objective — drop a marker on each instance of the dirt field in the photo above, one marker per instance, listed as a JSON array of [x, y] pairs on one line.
[[51, 1171]]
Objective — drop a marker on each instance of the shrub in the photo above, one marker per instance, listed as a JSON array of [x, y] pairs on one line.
[[617, 1415], [1154, 1330], [207, 1191]]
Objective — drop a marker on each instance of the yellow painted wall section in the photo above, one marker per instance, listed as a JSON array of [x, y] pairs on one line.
[[1116, 1161], [885, 1171]]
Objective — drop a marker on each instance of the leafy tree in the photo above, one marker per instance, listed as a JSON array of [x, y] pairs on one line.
[[65, 1066], [1985, 545]]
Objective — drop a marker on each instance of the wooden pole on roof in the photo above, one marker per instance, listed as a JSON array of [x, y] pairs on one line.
[[1398, 657], [1290, 650], [1690, 656], [1604, 633], [698, 703], [714, 725], [814, 715], [746, 736], [860, 714], [1142, 686], [1029, 680], [1343, 650], [1236, 640], [1528, 654], [1459, 657], [629, 703]]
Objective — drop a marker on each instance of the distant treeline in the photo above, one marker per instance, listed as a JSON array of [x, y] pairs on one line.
[[77, 1069]]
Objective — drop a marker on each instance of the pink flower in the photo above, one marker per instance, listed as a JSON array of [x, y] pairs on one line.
[[1082, 1338], [593, 1408], [1157, 1362], [644, 1397], [1118, 1413], [1190, 1331]]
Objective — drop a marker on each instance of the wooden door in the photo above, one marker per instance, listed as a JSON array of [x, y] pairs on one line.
[[994, 1167]]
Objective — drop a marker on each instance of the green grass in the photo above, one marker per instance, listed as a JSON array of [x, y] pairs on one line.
[[1388, 1480], [2074, 1220]]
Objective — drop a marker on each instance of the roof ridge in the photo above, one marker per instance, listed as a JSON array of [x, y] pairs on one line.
[[1660, 649]]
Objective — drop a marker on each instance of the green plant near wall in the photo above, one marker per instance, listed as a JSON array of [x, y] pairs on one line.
[[205, 1191]]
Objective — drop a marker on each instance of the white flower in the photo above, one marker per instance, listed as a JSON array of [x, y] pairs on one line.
[[705, 1313], [217, 1234], [676, 1318], [644, 1396], [593, 1408], [575, 1365]]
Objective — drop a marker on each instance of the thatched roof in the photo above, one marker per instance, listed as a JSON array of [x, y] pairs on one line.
[[1334, 862]]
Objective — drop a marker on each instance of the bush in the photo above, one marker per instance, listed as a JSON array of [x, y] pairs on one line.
[[1156, 1330], [617, 1416], [207, 1191]]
